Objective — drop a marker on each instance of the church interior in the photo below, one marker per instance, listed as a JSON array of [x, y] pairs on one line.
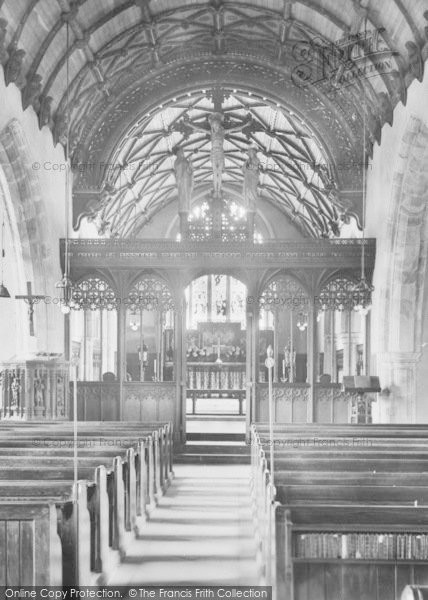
[[214, 296]]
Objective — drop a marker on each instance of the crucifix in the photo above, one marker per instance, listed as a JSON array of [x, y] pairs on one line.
[[31, 301], [216, 126]]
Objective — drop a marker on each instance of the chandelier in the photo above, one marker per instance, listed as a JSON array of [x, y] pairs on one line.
[[362, 296]]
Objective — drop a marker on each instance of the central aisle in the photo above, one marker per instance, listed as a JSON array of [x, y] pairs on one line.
[[200, 534]]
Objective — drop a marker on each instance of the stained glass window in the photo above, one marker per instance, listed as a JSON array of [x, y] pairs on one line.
[[215, 298], [197, 302], [219, 299]]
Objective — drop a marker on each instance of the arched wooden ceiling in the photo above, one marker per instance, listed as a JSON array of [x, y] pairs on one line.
[[330, 62]]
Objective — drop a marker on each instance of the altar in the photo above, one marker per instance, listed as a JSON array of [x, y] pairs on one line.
[[216, 355]]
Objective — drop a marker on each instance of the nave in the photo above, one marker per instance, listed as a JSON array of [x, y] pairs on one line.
[[201, 533], [340, 514], [213, 216]]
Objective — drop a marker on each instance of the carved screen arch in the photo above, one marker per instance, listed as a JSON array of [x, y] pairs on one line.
[[93, 293], [150, 293], [337, 294], [284, 292], [93, 329], [150, 331], [284, 307]]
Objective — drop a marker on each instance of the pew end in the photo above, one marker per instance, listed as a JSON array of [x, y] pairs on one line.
[[30, 547]]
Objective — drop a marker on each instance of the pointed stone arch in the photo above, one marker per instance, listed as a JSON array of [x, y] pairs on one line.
[[28, 218], [400, 278]]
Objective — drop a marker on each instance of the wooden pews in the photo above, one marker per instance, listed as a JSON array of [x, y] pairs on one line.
[[346, 515], [59, 532]]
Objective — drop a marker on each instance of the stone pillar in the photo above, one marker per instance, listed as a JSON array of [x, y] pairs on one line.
[[329, 345], [275, 344], [397, 401], [180, 372], [121, 353], [311, 360], [252, 360]]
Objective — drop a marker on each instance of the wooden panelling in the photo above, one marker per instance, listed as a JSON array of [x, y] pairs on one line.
[[30, 548], [142, 402]]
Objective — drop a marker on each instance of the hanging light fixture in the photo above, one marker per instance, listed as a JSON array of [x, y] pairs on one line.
[[134, 324], [4, 292], [65, 284], [302, 322], [362, 291]]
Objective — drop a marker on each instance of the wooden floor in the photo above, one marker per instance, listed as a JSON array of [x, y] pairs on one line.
[[201, 533]]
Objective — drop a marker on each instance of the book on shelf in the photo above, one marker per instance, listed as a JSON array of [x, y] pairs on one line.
[[361, 546]]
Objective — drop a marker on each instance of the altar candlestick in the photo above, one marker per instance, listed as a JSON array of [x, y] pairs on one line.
[[291, 377], [283, 368], [218, 360]]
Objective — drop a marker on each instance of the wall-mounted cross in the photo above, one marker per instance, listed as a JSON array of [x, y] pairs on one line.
[[31, 301]]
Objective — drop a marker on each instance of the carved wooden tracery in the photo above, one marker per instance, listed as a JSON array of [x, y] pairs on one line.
[[93, 293], [150, 293], [294, 170], [337, 294], [284, 293]]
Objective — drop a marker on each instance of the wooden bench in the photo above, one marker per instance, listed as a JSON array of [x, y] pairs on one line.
[[315, 563], [30, 547], [162, 440], [101, 513], [329, 491]]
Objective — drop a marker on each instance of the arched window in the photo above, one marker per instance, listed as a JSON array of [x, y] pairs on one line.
[[93, 328], [215, 299]]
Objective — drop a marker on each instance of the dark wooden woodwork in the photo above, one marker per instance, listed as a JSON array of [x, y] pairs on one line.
[[111, 503]]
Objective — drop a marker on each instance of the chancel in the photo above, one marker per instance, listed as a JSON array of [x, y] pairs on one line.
[[213, 295]]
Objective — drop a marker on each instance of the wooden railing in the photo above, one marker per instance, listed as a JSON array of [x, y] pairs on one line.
[[331, 404]]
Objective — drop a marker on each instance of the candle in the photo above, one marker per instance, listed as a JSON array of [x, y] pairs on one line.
[[283, 368], [155, 366]]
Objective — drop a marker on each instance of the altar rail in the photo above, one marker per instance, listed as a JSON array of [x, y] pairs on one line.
[[214, 376], [100, 401], [331, 404]]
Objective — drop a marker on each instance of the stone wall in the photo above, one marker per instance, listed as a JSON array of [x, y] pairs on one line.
[[32, 192], [397, 217]]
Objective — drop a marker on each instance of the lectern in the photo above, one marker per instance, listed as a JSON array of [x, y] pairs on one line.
[[361, 386]]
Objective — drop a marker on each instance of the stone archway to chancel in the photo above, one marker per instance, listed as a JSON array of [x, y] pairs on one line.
[[400, 282], [25, 214], [183, 113], [215, 356]]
